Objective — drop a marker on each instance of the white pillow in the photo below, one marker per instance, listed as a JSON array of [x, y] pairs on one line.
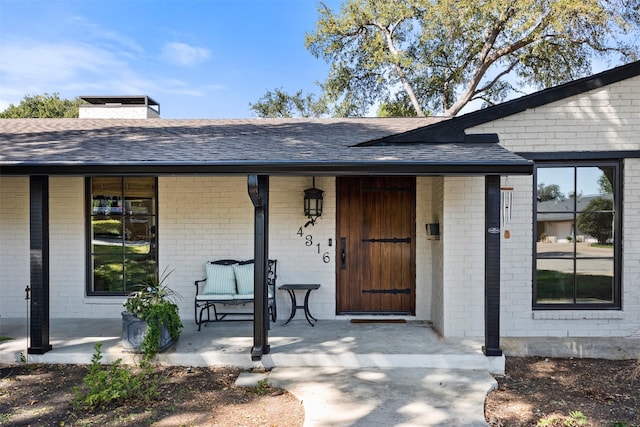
[[220, 279], [244, 278]]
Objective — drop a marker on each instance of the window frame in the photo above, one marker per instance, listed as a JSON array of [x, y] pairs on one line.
[[89, 285], [616, 304]]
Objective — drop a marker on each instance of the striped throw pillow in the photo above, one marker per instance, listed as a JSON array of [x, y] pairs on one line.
[[220, 279], [244, 278]]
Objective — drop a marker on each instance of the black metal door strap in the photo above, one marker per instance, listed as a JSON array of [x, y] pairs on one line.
[[386, 291], [391, 240]]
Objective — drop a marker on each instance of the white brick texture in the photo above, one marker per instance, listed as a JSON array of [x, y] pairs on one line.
[[601, 120], [14, 245]]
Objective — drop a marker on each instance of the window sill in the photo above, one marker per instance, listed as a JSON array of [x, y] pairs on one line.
[[104, 300], [579, 315]]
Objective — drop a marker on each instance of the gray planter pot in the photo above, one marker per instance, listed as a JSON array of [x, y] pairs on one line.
[[133, 330]]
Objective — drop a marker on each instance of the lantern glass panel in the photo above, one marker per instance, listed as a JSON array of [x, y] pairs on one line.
[[313, 202]]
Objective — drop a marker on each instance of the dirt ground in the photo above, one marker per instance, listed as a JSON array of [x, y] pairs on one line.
[[546, 392], [534, 391], [41, 395]]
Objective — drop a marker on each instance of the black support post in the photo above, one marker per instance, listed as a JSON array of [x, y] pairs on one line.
[[259, 194], [492, 267], [39, 260]]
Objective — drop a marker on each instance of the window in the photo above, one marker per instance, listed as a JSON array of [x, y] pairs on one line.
[[122, 220], [577, 226]]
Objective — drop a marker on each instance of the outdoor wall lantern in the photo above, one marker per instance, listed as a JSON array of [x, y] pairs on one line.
[[312, 203], [433, 231]]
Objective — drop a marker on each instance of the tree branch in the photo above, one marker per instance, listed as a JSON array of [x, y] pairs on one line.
[[388, 35]]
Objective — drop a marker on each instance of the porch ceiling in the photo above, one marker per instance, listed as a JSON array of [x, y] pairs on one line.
[[253, 146]]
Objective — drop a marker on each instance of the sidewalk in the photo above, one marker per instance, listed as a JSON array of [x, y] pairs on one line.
[[345, 374]]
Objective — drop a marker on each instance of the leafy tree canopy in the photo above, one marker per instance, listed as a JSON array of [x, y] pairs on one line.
[[441, 55], [549, 192], [42, 106], [604, 184], [281, 104], [597, 219]]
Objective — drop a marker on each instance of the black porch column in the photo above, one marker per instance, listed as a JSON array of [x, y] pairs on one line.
[[39, 259], [259, 193], [492, 267]]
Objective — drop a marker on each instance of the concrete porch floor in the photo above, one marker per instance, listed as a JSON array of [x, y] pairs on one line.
[[345, 374], [331, 343]]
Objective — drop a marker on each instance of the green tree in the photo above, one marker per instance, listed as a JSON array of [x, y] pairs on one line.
[[281, 104], [396, 107], [441, 55], [597, 219], [549, 192], [604, 184], [42, 106]]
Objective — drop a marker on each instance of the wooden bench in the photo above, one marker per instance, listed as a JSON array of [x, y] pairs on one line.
[[229, 282]]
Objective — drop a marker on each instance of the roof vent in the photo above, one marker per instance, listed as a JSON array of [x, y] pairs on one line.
[[119, 107]]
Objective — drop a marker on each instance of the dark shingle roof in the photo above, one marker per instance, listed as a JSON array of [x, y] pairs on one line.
[[563, 209], [236, 146]]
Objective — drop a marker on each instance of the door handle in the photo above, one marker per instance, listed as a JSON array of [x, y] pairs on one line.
[[343, 253]]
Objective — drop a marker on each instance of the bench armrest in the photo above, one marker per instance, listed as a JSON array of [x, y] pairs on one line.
[[197, 283]]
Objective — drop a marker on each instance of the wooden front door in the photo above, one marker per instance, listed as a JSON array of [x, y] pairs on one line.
[[376, 245]]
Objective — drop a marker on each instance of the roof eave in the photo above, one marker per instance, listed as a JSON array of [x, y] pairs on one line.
[[281, 168]]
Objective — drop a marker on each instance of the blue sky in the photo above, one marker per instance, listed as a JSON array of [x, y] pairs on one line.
[[198, 59]]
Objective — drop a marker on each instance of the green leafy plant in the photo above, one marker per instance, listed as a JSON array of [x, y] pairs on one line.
[[155, 303], [575, 419], [115, 383], [263, 387]]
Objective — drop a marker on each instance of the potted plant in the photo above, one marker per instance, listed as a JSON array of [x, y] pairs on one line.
[[150, 322]]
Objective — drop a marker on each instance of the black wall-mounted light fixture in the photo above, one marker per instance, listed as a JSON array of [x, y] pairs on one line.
[[433, 231], [313, 203]]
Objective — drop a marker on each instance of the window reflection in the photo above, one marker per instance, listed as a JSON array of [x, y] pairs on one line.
[[123, 228], [554, 281], [575, 231], [594, 281]]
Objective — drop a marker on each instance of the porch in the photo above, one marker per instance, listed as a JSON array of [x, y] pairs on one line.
[[331, 343]]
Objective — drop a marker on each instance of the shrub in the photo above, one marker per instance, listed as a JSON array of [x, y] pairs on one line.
[[115, 383]]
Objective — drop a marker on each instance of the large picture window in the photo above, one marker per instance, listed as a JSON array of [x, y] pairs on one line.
[[577, 228], [122, 221]]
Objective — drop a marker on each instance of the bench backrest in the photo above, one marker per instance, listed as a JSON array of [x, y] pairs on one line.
[[272, 265]]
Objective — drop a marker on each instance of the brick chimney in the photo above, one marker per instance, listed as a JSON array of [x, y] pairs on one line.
[[119, 107]]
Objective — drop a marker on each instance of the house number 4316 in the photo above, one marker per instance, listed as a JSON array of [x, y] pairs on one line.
[[308, 241]]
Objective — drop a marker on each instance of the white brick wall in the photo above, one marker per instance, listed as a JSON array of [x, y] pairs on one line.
[[208, 218], [463, 245], [604, 119], [117, 112], [299, 263], [200, 219], [429, 287], [67, 245], [426, 250], [14, 245]]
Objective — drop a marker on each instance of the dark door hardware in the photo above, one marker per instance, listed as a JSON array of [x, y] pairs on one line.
[[388, 189], [391, 240], [386, 291], [343, 253]]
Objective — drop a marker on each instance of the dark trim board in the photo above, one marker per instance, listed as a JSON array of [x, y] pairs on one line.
[[492, 267], [563, 156], [276, 169], [258, 188], [39, 260]]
